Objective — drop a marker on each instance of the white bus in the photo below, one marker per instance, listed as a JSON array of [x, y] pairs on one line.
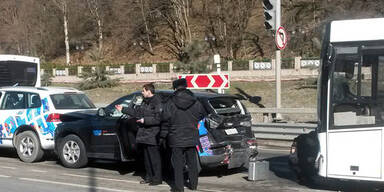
[[349, 140], [19, 70]]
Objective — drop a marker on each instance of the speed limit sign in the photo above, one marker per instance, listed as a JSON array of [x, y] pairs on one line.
[[281, 38]]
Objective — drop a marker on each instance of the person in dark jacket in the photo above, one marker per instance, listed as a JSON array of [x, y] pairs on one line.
[[182, 113], [149, 118]]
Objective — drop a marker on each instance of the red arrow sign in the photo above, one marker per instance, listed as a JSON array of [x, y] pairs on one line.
[[207, 81]]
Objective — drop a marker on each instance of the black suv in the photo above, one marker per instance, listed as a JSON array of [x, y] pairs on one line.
[[225, 134]]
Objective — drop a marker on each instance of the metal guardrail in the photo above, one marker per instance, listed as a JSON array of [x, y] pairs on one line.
[[283, 110], [281, 131]]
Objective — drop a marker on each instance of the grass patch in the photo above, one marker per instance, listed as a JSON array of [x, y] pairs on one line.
[[294, 94]]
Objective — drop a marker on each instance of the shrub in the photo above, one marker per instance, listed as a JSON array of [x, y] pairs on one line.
[[46, 79], [97, 79]]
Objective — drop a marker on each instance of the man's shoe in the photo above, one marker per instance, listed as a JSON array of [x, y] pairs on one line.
[[145, 181], [154, 183], [190, 187]]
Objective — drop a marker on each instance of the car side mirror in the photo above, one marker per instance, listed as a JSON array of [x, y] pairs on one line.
[[138, 100], [101, 112]]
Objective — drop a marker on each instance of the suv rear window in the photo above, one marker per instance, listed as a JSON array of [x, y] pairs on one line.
[[72, 101], [226, 106]]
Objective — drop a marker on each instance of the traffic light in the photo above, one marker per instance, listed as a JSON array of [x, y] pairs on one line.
[[269, 14]]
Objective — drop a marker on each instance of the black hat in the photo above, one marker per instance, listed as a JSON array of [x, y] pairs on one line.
[[179, 83]]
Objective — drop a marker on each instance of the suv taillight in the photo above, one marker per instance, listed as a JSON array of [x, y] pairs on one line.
[[252, 142], [53, 117]]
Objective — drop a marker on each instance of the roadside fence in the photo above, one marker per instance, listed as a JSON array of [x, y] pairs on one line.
[[281, 131]]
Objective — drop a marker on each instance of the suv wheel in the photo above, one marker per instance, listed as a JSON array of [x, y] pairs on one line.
[[72, 152], [28, 147]]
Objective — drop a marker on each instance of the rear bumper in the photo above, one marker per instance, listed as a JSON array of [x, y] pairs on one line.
[[237, 158]]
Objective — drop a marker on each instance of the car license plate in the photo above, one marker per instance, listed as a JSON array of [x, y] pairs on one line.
[[231, 131]]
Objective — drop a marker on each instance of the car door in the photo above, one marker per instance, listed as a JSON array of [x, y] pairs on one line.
[[126, 128], [104, 141], [13, 109]]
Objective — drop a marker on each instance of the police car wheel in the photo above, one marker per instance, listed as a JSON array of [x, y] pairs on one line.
[[72, 152], [28, 147]]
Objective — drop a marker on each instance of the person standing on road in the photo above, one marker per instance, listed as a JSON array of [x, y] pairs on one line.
[[149, 113], [182, 113]]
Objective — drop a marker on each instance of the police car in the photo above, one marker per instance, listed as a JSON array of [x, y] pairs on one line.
[[29, 117]]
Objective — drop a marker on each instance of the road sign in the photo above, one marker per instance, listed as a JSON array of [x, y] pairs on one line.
[[206, 81], [281, 38]]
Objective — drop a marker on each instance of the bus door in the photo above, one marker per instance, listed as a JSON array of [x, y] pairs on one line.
[[355, 132]]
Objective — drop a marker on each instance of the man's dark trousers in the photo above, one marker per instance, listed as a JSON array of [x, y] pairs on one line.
[[152, 163], [180, 155]]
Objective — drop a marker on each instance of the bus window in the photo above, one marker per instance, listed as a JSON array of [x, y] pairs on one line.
[[358, 90]]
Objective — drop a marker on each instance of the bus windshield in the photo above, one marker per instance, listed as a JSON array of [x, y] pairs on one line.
[[18, 73], [358, 86]]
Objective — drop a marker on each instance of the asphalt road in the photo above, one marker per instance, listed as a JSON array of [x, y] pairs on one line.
[[46, 176]]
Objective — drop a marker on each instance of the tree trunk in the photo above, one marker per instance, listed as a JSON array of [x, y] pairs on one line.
[[66, 39], [146, 26], [100, 35], [186, 15]]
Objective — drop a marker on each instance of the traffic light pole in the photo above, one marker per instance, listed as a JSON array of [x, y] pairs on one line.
[[278, 62]]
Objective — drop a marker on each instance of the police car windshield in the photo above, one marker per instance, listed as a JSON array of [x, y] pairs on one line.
[[72, 101]]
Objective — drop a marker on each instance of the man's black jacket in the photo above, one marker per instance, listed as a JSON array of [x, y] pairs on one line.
[[150, 110], [181, 114]]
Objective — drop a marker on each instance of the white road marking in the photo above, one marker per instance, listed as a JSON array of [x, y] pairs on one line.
[[73, 185], [5, 176], [209, 190], [101, 178], [109, 179], [5, 167], [38, 171]]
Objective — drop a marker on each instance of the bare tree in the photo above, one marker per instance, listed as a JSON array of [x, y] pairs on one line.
[[63, 7], [176, 15], [95, 9], [13, 15], [227, 21], [144, 16]]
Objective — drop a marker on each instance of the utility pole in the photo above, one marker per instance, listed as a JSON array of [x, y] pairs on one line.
[[216, 60], [278, 61], [272, 15]]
